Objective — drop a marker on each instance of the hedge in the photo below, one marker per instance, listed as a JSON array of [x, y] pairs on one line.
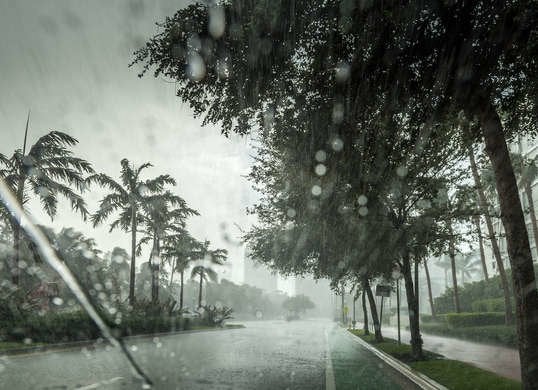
[[460, 320], [76, 326], [492, 334], [488, 305]]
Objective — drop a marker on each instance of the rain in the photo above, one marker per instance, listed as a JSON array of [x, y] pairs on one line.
[[231, 194]]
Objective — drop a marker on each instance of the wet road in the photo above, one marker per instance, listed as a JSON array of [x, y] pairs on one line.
[[264, 355]]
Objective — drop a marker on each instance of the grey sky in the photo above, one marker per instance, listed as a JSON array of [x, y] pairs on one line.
[[67, 61]]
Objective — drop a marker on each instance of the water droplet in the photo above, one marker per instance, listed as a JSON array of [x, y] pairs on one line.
[[316, 190], [259, 315], [320, 169], [27, 340], [362, 200], [363, 211], [143, 190], [291, 213], [338, 113], [134, 348], [196, 67], [402, 171], [342, 72], [43, 191], [217, 21], [57, 301], [337, 144], [321, 156]]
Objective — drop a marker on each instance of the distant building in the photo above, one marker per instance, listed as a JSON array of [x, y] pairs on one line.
[[258, 275]]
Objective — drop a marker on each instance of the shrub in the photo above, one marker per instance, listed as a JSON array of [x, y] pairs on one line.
[[460, 320], [493, 334], [428, 318], [488, 305]]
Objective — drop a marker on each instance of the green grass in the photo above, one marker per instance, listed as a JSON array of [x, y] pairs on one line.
[[462, 376], [11, 345], [452, 374]]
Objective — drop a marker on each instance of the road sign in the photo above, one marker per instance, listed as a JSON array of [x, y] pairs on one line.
[[382, 291]]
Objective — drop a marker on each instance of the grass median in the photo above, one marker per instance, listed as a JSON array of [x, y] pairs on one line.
[[452, 374]]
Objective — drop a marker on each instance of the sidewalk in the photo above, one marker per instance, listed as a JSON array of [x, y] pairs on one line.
[[500, 360]]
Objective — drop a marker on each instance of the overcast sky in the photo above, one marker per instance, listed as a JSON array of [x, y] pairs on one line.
[[67, 61]]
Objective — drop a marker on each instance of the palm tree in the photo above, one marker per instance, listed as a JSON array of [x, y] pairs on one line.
[[180, 249], [204, 271], [468, 264], [126, 197], [48, 170], [163, 213]]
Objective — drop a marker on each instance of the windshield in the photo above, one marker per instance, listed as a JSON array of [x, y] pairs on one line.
[[230, 194]]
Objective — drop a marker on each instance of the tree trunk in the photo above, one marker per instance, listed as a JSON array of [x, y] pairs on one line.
[[429, 283], [476, 220], [181, 275], [200, 290], [133, 257], [155, 270], [172, 272], [491, 232], [532, 212], [412, 304], [373, 310], [452, 255], [517, 239], [365, 312], [342, 301]]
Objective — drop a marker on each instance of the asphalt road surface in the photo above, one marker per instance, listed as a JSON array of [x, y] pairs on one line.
[[264, 355]]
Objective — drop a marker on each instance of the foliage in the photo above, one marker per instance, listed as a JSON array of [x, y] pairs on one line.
[[489, 334], [488, 305], [461, 320], [213, 315], [298, 304]]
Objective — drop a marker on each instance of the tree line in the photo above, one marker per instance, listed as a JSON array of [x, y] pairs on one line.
[[146, 208]]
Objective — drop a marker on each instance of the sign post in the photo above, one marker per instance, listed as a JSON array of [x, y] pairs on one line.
[[382, 291]]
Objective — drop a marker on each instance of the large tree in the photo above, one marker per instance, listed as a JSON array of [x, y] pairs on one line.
[[126, 198], [385, 57]]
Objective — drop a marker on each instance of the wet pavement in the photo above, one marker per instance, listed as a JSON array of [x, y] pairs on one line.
[[264, 355], [500, 360]]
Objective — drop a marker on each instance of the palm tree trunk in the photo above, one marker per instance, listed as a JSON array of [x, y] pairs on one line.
[[412, 304], [154, 270], [532, 212], [133, 257], [523, 277], [365, 312], [200, 290], [491, 232], [181, 274], [429, 283], [476, 220], [172, 272], [373, 310]]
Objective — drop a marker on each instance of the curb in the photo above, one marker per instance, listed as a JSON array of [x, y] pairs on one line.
[[58, 347], [419, 379]]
